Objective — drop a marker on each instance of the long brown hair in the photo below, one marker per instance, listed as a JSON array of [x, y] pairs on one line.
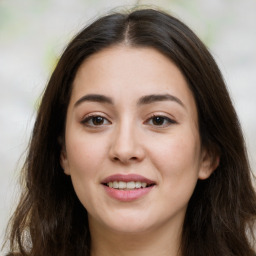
[[50, 220]]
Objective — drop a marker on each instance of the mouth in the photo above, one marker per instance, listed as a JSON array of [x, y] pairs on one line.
[[130, 185], [127, 182], [127, 188]]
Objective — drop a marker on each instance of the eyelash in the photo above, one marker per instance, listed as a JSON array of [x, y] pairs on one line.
[[86, 121], [167, 121], [164, 121]]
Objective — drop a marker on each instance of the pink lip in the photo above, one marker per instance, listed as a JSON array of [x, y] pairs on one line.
[[127, 195], [127, 178]]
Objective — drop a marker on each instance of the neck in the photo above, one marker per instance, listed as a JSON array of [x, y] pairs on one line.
[[161, 242]]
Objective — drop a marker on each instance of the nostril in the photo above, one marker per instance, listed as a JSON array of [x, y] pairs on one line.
[[117, 159]]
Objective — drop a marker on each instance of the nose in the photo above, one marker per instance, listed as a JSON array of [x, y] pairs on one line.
[[126, 145]]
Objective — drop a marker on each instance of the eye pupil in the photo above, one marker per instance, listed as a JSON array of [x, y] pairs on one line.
[[97, 120], [158, 120]]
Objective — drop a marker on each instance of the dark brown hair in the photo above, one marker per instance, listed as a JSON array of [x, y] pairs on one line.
[[50, 220]]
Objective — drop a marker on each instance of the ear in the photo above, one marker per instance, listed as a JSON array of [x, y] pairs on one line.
[[209, 162], [64, 162], [63, 158]]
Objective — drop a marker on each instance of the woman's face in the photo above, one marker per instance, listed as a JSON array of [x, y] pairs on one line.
[[132, 146]]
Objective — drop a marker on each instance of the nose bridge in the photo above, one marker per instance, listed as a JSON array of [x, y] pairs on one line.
[[126, 145]]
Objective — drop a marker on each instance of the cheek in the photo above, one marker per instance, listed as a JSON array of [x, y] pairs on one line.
[[84, 152], [177, 162], [177, 157], [85, 157]]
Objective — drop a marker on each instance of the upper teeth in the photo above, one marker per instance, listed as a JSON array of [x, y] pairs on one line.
[[127, 185]]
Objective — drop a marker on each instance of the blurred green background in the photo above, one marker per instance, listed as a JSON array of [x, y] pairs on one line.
[[33, 34]]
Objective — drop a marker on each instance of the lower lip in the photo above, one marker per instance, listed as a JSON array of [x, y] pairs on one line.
[[127, 195]]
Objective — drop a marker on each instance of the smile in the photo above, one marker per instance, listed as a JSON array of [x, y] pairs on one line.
[[128, 185]]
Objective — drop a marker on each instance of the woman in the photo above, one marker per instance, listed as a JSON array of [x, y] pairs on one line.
[[136, 149]]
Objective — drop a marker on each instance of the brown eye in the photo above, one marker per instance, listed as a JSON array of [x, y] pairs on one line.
[[93, 121], [158, 120], [97, 120]]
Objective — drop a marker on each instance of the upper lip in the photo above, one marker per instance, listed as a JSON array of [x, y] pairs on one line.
[[127, 178]]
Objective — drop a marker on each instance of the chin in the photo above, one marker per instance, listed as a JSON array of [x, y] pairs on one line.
[[130, 224], [129, 228], [121, 221]]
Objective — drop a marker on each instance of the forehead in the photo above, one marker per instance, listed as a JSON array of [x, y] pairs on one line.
[[127, 73]]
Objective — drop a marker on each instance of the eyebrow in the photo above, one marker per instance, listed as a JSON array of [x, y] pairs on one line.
[[94, 98], [147, 99]]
